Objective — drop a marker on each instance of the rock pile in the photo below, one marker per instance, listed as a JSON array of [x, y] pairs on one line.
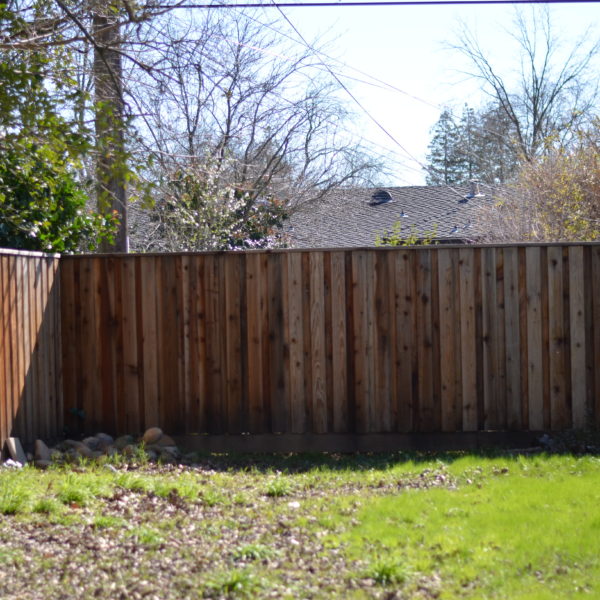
[[154, 445]]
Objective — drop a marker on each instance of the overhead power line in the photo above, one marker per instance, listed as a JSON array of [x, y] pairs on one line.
[[367, 3]]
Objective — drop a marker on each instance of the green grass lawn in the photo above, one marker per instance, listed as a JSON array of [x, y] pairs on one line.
[[378, 526]]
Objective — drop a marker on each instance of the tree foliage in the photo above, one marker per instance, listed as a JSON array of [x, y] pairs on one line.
[[42, 202], [478, 145], [555, 198]]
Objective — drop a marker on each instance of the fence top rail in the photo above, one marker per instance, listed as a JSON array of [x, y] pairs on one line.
[[28, 253], [300, 250]]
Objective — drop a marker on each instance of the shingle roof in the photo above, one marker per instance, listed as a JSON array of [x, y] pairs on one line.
[[355, 216]]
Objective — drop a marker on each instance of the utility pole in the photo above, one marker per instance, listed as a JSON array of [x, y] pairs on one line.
[[111, 188]]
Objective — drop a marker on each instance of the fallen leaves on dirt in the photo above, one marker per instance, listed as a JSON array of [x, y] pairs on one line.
[[135, 544]]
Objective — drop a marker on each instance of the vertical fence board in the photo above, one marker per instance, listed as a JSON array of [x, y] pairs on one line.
[[424, 341], [296, 343], [360, 340], [405, 335], [233, 340], [381, 407], [577, 334], [490, 339], [149, 340], [449, 340], [468, 348], [595, 291], [317, 338], [559, 414], [339, 342], [276, 349], [512, 338], [4, 333], [130, 367], [534, 338], [256, 310]]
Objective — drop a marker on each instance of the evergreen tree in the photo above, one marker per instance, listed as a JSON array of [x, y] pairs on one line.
[[444, 162], [481, 146]]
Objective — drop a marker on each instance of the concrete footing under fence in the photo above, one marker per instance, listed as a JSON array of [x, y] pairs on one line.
[[384, 442]]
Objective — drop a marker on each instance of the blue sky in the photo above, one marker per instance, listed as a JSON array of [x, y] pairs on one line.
[[405, 47]]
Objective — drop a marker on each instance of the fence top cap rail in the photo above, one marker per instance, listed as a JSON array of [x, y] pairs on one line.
[[27, 253], [297, 250]]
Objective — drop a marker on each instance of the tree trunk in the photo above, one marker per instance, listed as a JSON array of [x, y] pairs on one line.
[[111, 189]]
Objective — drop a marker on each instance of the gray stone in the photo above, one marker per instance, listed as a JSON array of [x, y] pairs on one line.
[[165, 440], [15, 449], [73, 444], [123, 441], [105, 438], [152, 435], [93, 443], [41, 451], [84, 451]]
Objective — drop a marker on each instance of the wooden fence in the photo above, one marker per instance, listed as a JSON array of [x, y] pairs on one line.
[[438, 339], [369, 341], [30, 369]]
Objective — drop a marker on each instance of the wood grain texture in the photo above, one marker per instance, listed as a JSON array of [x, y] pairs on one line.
[[595, 307], [559, 414], [577, 338], [512, 339], [535, 338], [405, 340], [450, 363], [339, 342], [468, 347], [347, 341], [317, 344]]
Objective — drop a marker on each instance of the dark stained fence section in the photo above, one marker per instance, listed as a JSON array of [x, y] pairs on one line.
[[31, 402], [405, 340]]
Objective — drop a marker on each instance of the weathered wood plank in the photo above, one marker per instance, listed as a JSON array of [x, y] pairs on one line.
[[276, 347], [295, 336], [130, 366], [512, 339], [4, 333], [405, 337], [577, 335], [595, 292], [233, 341], [256, 315], [490, 339], [451, 405], [559, 410], [360, 340], [339, 343], [381, 407], [535, 338], [149, 340], [424, 340], [468, 348], [317, 339]]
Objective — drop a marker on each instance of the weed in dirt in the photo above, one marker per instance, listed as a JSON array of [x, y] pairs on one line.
[[278, 487], [234, 583], [251, 552], [386, 572]]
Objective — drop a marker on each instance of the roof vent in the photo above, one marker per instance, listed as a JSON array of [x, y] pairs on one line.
[[474, 191], [380, 197]]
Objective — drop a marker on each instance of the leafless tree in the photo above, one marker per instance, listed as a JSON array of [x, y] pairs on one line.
[[209, 92], [556, 89], [229, 100]]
